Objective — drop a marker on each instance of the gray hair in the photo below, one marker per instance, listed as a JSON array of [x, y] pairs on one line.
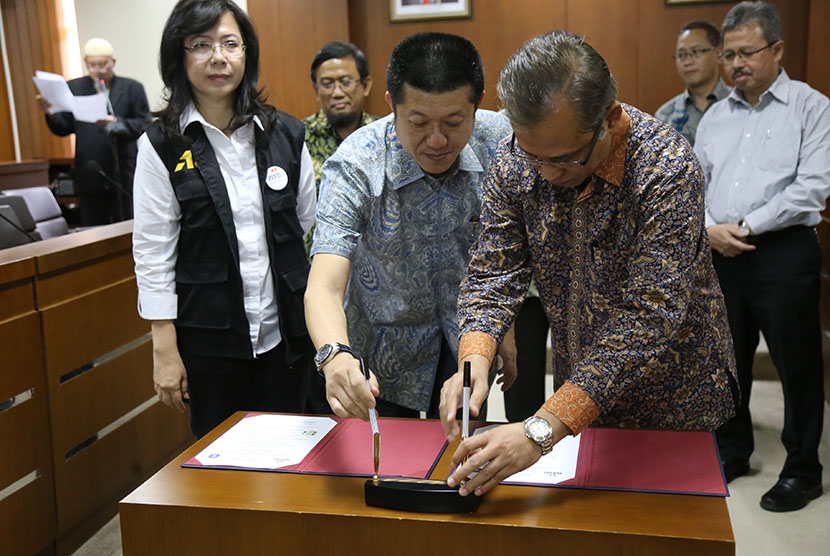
[[747, 13], [556, 65]]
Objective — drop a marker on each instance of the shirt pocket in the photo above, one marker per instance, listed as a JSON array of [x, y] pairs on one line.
[[203, 293], [779, 151], [196, 203], [285, 225]]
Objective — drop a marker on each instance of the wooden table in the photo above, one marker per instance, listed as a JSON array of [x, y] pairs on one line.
[[205, 511]]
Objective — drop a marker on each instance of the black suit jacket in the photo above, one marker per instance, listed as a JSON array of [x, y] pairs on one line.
[[95, 142]]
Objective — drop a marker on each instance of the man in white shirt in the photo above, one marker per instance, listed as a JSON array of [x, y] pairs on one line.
[[764, 153]]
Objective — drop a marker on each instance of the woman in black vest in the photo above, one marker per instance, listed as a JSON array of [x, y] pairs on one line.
[[224, 193]]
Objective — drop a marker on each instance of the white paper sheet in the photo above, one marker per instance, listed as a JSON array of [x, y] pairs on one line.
[[267, 441], [559, 465], [54, 89], [89, 108]]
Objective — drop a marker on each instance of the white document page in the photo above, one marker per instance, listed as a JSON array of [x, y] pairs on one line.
[[559, 465], [89, 108], [267, 441], [54, 89]]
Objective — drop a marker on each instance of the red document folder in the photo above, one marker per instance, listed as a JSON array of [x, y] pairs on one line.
[[409, 448], [679, 462]]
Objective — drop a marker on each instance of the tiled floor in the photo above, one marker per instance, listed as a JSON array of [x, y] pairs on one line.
[[757, 532]]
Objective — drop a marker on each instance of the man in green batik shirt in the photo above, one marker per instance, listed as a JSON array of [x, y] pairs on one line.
[[340, 74]]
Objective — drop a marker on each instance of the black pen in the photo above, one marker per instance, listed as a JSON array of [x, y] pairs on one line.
[[465, 411]]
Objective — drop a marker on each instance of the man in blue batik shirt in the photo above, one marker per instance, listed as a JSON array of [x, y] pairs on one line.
[[696, 58], [398, 212]]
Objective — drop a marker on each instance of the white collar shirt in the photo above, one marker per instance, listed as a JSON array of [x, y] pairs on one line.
[[156, 205]]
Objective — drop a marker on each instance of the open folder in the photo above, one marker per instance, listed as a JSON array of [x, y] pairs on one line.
[[680, 462], [677, 462], [409, 447]]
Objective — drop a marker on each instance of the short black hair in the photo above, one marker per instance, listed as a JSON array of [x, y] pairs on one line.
[[190, 17], [434, 63], [712, 33], [340, 49]]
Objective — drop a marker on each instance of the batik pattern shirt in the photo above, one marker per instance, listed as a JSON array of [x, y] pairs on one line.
[[322, 140], [407, 235], [682, 113], [623, 267]]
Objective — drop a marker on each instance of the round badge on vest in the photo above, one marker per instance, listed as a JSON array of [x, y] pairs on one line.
[[276, 178]]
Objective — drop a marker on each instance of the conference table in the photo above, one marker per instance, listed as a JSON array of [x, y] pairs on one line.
[[186, 511]]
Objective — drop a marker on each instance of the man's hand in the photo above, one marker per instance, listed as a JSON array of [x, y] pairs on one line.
[[43, 104], [508, 371], [110, 119], [346, 389], [169, 375], [500, 452], [453, 390], [728, 240]]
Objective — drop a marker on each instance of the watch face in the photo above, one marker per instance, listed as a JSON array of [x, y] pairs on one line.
[[323, 354], [538, 429]]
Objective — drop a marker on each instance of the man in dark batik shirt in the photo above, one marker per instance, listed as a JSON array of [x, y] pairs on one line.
[[603, 206]]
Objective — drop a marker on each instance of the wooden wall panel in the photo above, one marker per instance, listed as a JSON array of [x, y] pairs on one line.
[[290, 34], [31, 28], [497, 28], [818, 48], [636, 38], [6, 137]]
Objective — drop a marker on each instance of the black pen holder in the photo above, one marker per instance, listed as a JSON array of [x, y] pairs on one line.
[[418, 496]]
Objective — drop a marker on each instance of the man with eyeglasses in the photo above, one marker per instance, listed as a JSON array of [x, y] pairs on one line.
[[398, 211], [696, 58], [340, 75], [341, 80], [111, 141], [602, 205], [764, 151]]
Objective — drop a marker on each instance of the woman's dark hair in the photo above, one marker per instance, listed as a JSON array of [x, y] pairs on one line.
[[190, 17]]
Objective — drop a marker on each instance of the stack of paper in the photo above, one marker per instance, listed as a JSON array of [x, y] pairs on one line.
[[53, 88]]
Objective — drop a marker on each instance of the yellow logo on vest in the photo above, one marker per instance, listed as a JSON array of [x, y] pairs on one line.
[[186, 161]]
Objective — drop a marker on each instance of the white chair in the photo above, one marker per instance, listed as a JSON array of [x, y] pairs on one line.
[[44, 208]]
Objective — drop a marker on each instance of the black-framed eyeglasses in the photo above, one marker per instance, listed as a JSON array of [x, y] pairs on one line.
[[728, 56], [347, 84], [695, 53], [204, 50], [517, 151]]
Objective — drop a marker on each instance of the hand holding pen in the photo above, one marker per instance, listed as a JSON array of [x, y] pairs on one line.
[[373, 419]]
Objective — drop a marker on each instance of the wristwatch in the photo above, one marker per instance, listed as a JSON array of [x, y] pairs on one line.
[[327, 353], [540, 432], [744, 228]]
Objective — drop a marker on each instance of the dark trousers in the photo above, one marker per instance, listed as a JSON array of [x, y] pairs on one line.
[[527, 394], [447, 366], [775, 289], [219, 386]]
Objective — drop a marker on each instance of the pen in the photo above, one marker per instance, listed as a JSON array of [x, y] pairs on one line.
[[373, 419], [465, 412]]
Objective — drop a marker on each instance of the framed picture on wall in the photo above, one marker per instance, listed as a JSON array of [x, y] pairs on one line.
[[419, 10], [681, 2]]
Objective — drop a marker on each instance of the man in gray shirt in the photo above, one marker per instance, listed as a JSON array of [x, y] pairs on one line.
[[696, 58], [764, 153]]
